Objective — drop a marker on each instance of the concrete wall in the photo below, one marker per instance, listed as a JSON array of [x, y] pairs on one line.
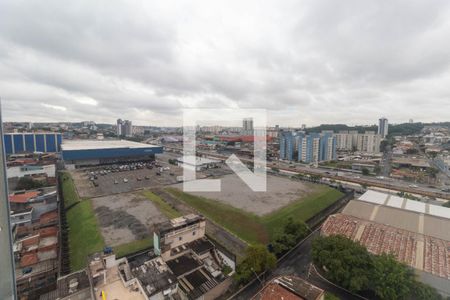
[[184, 236], [218, 290]]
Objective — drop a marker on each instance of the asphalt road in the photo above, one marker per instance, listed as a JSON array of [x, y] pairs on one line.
[[296, 263]]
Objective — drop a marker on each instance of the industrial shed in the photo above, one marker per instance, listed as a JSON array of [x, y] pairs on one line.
[[416, 233], [80, 153]]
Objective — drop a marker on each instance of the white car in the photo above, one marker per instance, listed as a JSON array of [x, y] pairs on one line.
[[413, 186], [125, 180]]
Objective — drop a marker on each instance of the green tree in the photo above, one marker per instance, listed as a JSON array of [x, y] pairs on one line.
[[391, 280], [432, 172], [350, 265], [423, 291], [293, 232], [346, 262], [365, 171], [316, 178], [27, 183], [330, 296], [377, 169], [282, 243], [257, 260]]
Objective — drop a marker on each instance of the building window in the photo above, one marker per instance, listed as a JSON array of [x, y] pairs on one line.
[[193, 232]]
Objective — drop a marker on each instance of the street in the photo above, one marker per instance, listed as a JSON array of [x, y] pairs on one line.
[[296, 263]]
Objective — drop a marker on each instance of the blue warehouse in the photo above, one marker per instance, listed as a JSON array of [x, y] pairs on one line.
[[81, 153], [30, 142]]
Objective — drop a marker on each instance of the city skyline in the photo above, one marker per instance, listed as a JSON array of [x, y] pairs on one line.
[[305, 62]]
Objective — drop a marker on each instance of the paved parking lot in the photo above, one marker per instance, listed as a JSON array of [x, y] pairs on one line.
[[114, 182]]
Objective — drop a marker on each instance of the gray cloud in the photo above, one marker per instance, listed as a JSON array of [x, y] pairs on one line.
[[304, 61]]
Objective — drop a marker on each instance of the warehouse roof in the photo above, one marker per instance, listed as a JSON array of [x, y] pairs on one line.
[[415, 216], [69, 145], [404, 203], [420, 251]]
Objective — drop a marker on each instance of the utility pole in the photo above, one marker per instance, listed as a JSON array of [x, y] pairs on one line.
[[7, 276]]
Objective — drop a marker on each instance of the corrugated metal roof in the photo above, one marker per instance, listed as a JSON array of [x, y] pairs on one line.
[[374, 197], [415, 206], [409, 205], [69, 145], [395, 201]]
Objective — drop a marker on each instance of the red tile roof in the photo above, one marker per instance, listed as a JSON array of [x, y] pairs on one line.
[[49, 231], [48, 217], [274, 291], [23, 198], [28, 260]]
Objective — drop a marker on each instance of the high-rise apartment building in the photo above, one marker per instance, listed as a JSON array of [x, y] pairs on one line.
[[124, 127], [7, 277], [369, 142], [119, 127], [287, 145], [247, 126], [307, 148], [383, 127], [346, 140], [327, 147], [364, 142]]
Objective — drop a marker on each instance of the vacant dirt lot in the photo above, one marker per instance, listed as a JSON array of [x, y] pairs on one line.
[[280, 192], [126, 217]]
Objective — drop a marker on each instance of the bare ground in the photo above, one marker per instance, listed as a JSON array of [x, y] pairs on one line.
[[280, 192], [126, 217]]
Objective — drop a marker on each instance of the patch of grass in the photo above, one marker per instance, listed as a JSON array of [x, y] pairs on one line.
[[163, 207], [244, 224], [84, 235], [302, 209], [255, 229], [68, 189], [132, 247]]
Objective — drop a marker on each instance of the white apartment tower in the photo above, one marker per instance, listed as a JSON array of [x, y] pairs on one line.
[[369, 142], [124, 127]]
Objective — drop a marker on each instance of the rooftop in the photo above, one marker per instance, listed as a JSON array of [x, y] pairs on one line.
[[201, 246], [197, 283], [195, 160], [420, 251], [179, 223], [70, 145], [183, 264], [289, 288], [154, 276], [415, 162], [379, 198], [23, 197], [73, 283]]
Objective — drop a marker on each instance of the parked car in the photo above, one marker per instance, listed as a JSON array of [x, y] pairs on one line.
[[125, 180], [116, 182]]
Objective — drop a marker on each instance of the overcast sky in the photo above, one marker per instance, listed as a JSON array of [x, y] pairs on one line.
[[309, 62]]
